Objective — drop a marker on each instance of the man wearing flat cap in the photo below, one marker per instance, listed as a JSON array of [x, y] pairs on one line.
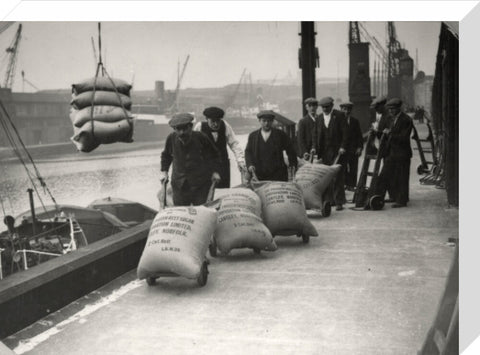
[[382, 120], [382, 117], [265, 147], [196, 162], [221, 134], [354, 146], [333, 143], [308, 130], [395, 172]]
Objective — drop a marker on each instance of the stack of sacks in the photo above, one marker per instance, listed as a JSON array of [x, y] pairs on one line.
[[177, 242], [240, 224], [314, 179], [283, 209], [101, 116]]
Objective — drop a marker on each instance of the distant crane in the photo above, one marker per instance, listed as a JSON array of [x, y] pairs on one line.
[[382, 55], [5, 25], [400, 68], [359, 75], [231, 99], [174, 107], [28, 82], [270, 87], [12, 52], [394, 52]]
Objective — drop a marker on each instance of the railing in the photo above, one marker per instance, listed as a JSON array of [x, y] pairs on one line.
[[25, 251]]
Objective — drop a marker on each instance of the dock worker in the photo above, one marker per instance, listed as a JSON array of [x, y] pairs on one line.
[[395, 173], [195, 159], [333, 142], [308, 130], [382, 120], [265, 147], [222, 135], [382, 117], [354, 146]]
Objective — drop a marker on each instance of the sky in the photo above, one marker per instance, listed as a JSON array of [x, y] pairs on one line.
[[55, 55]]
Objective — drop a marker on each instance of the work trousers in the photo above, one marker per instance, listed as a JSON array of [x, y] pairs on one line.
[[394, 178], [188, 195], [335, 193], [351, 169], [224, 175]]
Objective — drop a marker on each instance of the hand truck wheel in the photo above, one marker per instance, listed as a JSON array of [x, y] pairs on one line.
[[256, 250], [212, 248], [376, 202], [421, 169], [203, 277], [151, 280], [326, 209], [305, 239]]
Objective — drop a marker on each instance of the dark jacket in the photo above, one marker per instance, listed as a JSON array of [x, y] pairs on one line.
[[221, 145], [398, 142], [354, 133], [307, 135], [276, 166], [193, 162], [335, 136], [385, 122]]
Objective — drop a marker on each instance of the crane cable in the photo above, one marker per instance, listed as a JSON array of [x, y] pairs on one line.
[[104, 73], [19, 155]]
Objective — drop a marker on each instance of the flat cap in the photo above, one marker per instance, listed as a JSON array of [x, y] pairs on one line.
[[346, 104], [214, 112], [378, 101], [266, 114], [325, 101], [180, 119], [394, 102], [311, 101]]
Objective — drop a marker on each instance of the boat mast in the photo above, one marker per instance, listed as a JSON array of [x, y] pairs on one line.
[[32, 210]]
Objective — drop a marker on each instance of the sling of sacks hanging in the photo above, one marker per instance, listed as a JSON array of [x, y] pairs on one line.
[[314, 179], [177, 242], [108, 120], [239, 223], [283, 208]]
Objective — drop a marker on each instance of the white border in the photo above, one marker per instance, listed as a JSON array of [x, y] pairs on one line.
[[36, 10]]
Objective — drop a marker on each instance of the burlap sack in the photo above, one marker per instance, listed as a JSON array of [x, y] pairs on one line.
[[283, 209], [177, 242], [314, 179], [102, 83], [108, 98], [101, 113], [239, 228], [89, 136], [242, 198]]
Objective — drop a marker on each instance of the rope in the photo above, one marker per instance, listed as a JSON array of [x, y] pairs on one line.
[[105, 73], [17, 153], [120, 101]]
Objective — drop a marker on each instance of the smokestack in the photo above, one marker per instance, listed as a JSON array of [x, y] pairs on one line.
[[160, 92]]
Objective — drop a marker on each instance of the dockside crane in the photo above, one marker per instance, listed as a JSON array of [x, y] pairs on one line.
[[231, 99], [359, 75], [28, 82], [175, 105], [12, 51], [382, 56], [5, 25], [400, 69]]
